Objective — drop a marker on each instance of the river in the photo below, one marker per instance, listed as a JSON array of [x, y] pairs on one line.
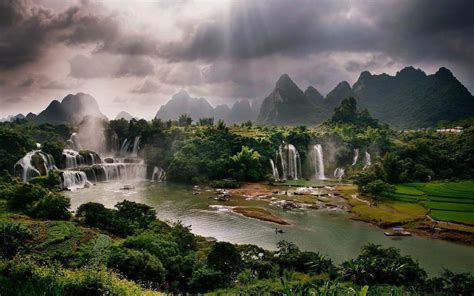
[[330, 233]]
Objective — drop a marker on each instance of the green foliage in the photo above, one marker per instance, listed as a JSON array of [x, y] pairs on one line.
[[137, 265], [205, 279], [51, 181], [12, 238], [55, 148], [449, 283], [246, 165], [377, 187], [377, 265], [13, 146], [225, 258], [20, 197], [346, 113], [126, 219], [53, 206], [224, 184]]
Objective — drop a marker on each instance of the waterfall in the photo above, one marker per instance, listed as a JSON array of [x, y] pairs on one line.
[[288, 158], [136, 146], [26, 169], [318, 162], [356, 156], [124, 148], [74, 179], [339, 173], [158, 175], [114, 142], [368, 159], [276, 176], [73, 159]]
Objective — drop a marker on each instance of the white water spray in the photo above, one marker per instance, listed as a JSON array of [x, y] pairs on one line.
[[368, 159], [356, 156]]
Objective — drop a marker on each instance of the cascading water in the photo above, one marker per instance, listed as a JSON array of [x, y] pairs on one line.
[[73, 142], [114, 142], [74, 180], [136, 146], [26, 168], [276, 176], [319, 162], [158, 175], [288, 158], [368, 159], [72, 159], [356, 156], [339, 173]]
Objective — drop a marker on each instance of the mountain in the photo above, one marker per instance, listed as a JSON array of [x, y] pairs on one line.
[[124, 115], [410, 99], [241, 111], [221, 112], [183, 103], [30, 116], [72, 109], [288, 105]]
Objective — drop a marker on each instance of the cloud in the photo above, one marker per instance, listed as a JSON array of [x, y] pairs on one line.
[[147, 87], [109, 66]]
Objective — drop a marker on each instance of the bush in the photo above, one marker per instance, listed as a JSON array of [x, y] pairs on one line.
[[450, 283], [225, 258], [12, 238], [55, 148], [53, 206], [52, 181], [21, 197], [94, 215], [137, 265], [205, 279], [377, 265]]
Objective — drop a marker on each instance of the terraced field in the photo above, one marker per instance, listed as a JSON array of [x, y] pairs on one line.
[[446, 201]]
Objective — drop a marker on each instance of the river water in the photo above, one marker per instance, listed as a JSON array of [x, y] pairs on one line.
[[328, 232]]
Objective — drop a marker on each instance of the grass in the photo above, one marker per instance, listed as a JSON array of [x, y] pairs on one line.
[[446, 201]]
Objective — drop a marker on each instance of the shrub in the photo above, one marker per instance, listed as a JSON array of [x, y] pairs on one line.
[[205, 279], [450, 283], [225, 258], [137, 265], [53, 206], [20, 197], [12, 238]]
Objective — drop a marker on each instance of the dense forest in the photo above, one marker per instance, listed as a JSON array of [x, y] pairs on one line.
[[126, 250]]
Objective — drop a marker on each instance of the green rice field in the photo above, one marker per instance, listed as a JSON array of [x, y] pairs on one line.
[[446, 201]]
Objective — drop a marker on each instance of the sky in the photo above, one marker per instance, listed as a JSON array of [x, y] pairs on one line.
[[134, 55]]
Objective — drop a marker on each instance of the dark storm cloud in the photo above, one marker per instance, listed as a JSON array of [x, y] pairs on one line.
[[27, 30]]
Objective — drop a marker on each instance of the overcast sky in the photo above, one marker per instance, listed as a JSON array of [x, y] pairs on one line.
[[133, 55]]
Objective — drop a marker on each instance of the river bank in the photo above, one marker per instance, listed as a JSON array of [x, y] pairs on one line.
[[383, 213]]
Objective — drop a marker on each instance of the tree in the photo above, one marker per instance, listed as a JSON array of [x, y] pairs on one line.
[[137, 265], [246, 165], [94, 215], [184, 120], [450, 283], [53, 206], [139, 215], [55, 148], [205, 279], [225, 258], [378, 265], [377, 187], [206, 121], [13, 146]]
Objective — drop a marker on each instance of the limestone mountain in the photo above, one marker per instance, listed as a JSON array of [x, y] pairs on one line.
[[412, 99], [72, 109], [241, 111], [288, 105], [183, 103], [124, 115]]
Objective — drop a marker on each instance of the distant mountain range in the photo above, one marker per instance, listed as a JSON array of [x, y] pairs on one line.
[[183, 103], [124, 115], [410, 99]]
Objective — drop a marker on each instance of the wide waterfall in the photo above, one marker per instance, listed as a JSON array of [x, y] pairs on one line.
[[72, 159], [34, 163], [356, 156], [368, 159], [275, 174], [74, 179], [288, 160], [319, 162], [339, 173], [158, 175]]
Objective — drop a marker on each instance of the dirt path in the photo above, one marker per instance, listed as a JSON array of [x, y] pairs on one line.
[[356, 197]]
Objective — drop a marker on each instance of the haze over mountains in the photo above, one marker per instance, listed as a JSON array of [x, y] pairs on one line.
[[410, 99]]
